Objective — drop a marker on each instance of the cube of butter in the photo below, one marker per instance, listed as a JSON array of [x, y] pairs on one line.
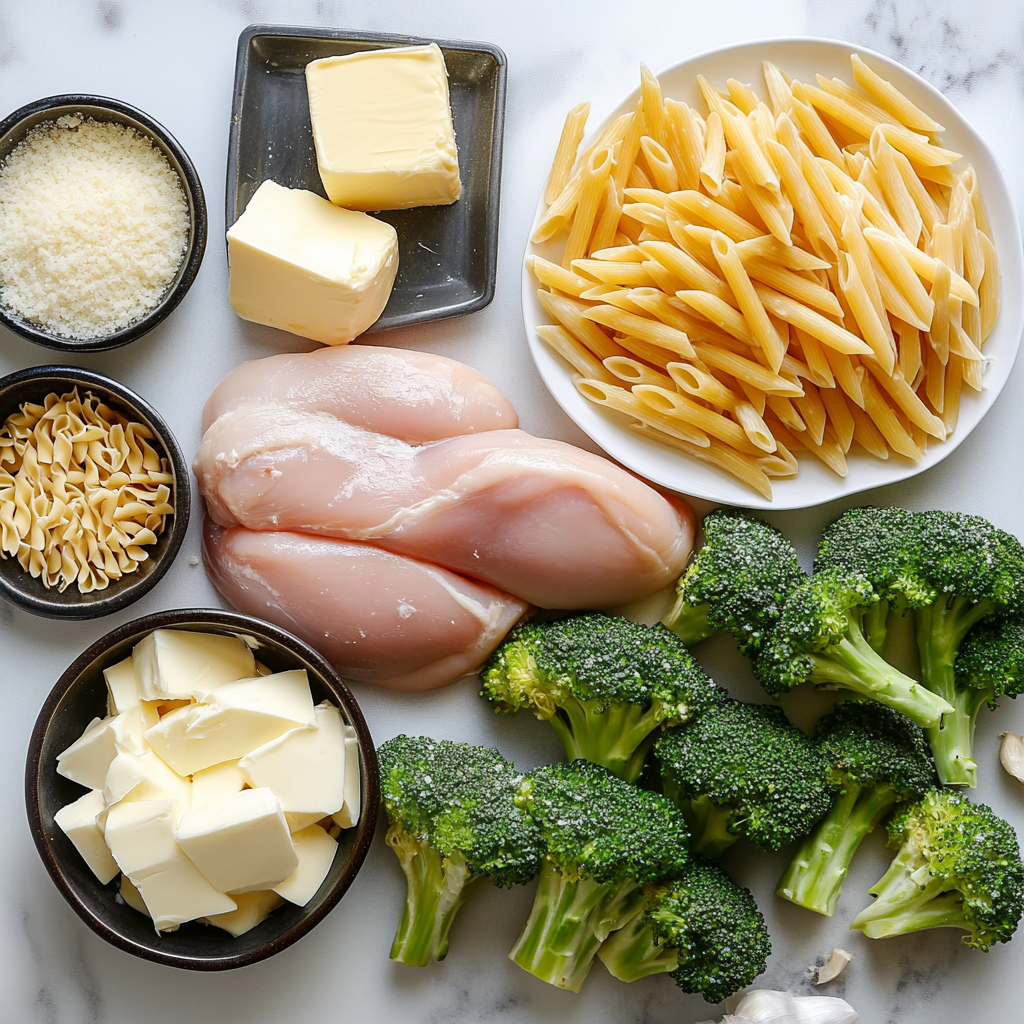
[[87, 759], [78, 822], [382, 126], [170, 663], [302, 265]]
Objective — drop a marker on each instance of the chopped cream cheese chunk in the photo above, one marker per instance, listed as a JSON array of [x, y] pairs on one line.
[[240, 844], [170, 663], [122, 688], [78, 822], [316, 850], [253, 907], [87, 759]]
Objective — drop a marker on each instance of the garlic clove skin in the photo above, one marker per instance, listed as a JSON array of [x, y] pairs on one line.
[[765, 1006], [1011, 755], [833, 967]]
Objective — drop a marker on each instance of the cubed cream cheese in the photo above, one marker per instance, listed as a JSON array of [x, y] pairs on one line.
[[382, 127], [232, 720], [302, 265], [241, 844], [316, 850], [122, 689], [87, 759], [211, 785], [141, 838], [253, 907], [133, 897], [170, 663], [136, 777], [78, 822], [130, 726], [305, 767], [348, 816]]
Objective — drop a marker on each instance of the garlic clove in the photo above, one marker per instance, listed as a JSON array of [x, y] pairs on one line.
[[1011, 754], [833, 967], [765, 1006]]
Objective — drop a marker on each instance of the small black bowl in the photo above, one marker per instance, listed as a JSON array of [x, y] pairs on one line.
[[13, 130], [33, 385], [80, 695]]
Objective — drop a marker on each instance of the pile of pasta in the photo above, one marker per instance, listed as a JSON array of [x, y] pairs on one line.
[[802, 275], [82, 492]]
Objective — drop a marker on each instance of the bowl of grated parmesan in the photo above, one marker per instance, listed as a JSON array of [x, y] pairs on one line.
[[102, 223]]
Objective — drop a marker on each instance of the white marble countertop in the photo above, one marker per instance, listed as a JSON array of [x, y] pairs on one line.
[[175, 61]]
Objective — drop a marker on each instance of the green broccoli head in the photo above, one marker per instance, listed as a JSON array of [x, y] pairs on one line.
[[604, 839], [453, 821], [991, 659], [607, 685], [737, 583], [742, 769], [700, 927], [958, 866]]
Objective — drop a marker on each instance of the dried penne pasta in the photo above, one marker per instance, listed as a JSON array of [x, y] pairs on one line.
[[577, 355], [712, 167], [621, 400], [647, 330], [565, 154]]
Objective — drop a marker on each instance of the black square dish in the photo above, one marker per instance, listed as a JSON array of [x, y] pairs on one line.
[[447, 254]]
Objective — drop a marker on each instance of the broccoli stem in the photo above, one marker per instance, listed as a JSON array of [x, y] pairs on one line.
[[569, 920], [689, 622], [616, 736], [709, 823], [876, 625], [634, 952], [436, 887], [905, 905], [941, 629], [815, 875], [854, 665]]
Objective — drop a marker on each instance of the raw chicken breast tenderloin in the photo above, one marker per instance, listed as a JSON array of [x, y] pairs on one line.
[[416, 455]]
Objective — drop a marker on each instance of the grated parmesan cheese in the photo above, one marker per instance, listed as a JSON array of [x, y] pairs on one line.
[[93, 227]]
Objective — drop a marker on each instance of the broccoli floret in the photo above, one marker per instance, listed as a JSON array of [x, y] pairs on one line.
[[608, 686], [819, 638], [701, 927], [958, 866], [879, 759], [604, 839], [453, 821], [743, 770], [737, 583]]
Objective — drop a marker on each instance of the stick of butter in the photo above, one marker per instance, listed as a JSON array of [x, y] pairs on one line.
[[303, 265], [382, 126]]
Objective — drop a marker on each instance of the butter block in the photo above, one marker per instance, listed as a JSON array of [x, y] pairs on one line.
[[348, 816], [130, 726], [78, 822], [302, 265], [211, 785], [305, 768], [232, 720], [382, 127], [141, 838], [145, 777], [241, 844], [315, 850], [122, 689], [253, 907], [133, 897], [170, 663], [87, 759]]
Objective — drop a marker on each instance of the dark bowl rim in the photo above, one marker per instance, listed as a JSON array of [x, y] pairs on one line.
[[244, 623], [129, 588], [197, 216]]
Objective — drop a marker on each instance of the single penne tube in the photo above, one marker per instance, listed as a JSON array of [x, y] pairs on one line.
[[712, 166], [907, 401], [653, 354], [820, 373], [845, 370], [740, 137], [742, 95], [754, 426], [755, 396], [628, 147], [569, 314], [619, 253], [894, 188], [868, 320], [654, 233], [762, 123], [935, 379], [557, 277], [789, 283], [779, 93], [632, 371], [668, 283], [698, 383], [786, 412], [898, 270], [692, 204], [647, 195], [758, 324], [768, 247], [565, 152], [909, 343], [719, 312], [893, 298], [694, 239], [951, 394], [647, 330], [577, 355], [608, 217], [652, 105], [839, 416], [614, 272], [814, 323], [774, 208], [818, 136], [619, 399], [887, 96], [867, 434], [917, 148], [682, 265], [746, 371], [612, 295], [856, 99], [887, 422], [938, 335], [803, 199], [929, 209], [812, 412], [925, 266], [828, 451], [775, 467], [988, 290], [859, 252], [596, 174], [961, 217], [972, 372], [645, 213], [685, 143], [560, 211], [742, 467], [935, 179], [660, 164], [961, 343], [970, 179], [670, 402]]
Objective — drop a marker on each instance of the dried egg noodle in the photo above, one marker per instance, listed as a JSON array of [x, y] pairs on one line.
[[82, 493], [802, 275]]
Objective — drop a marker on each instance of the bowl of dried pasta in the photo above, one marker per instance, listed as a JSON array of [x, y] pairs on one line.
[[94, 493], [777, 274]]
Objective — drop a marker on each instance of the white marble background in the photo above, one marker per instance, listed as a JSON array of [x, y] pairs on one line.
[[175, 60]]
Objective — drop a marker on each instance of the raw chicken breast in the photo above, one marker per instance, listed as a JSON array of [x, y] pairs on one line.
[[379, 617]]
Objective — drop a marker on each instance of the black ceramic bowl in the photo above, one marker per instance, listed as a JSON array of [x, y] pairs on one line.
[[80, 695], [33, 385], [13, 130]]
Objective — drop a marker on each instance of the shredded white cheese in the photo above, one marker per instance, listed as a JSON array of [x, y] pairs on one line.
[[93, 227]]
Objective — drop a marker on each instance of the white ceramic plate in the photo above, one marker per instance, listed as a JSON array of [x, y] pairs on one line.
[[801, 58]]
